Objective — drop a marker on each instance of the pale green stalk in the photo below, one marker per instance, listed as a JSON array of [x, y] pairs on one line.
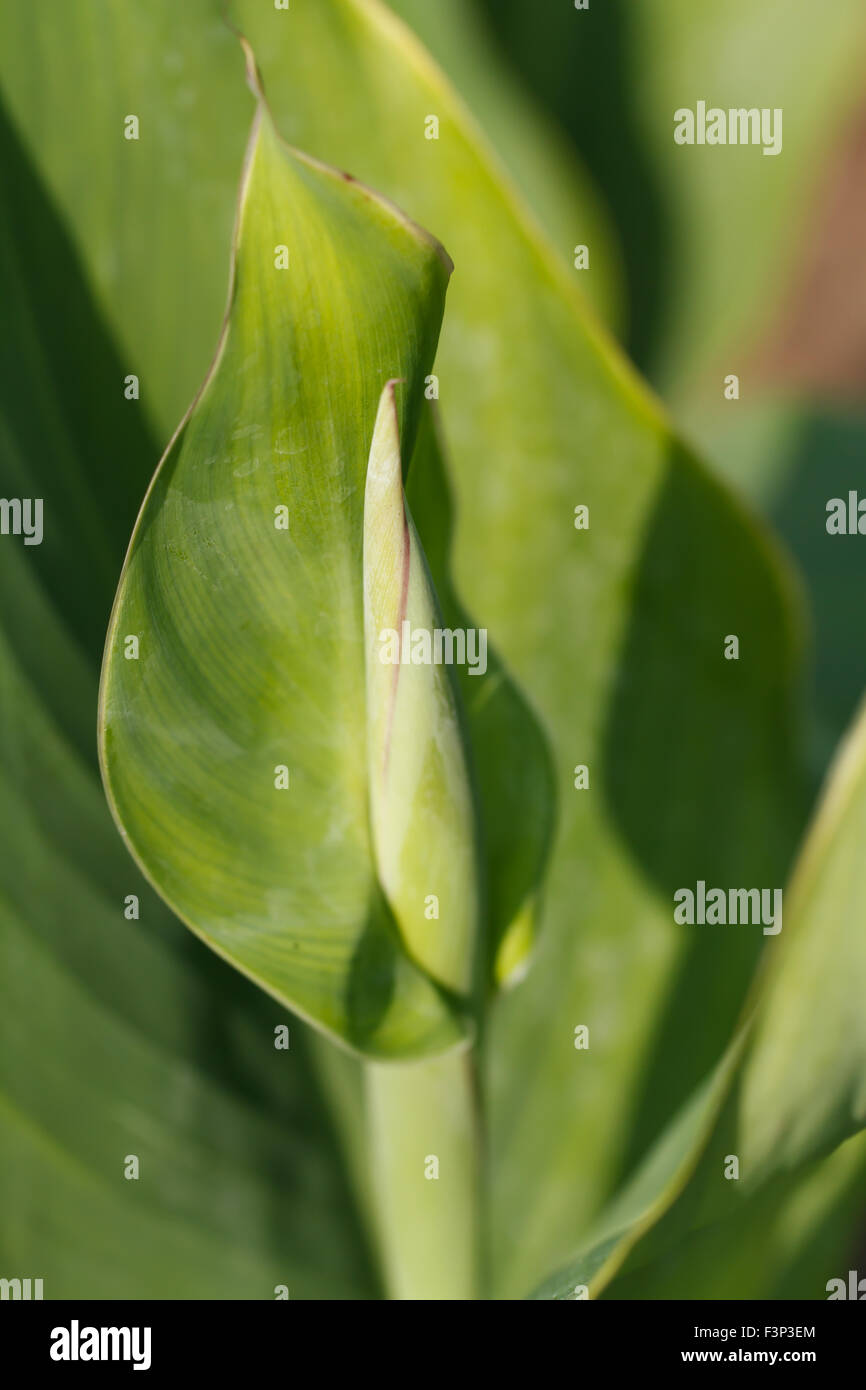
[[424, 1154]]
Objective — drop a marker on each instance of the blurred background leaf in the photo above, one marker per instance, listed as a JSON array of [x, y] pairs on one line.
[[646, 1197], [798, 1066], [709, 243], [786, 1222], [785, 1241], [804, 1082], [735, 262], [731, 266], [118, 1037], [536, 153]]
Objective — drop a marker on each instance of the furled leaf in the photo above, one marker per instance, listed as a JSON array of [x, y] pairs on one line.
[[420, 796], [234, 741]]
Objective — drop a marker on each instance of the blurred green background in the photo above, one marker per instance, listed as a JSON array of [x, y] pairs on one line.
[[119, 1037]]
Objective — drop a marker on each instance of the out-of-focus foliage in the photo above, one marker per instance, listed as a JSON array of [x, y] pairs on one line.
[[798, 1064], [540, 160], [118, 1037], [612, 636], [711, 236]]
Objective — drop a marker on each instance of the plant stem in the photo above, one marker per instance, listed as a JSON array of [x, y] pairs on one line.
[[424, 1135]]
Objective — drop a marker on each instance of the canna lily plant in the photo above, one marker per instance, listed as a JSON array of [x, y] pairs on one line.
[[417, 707]]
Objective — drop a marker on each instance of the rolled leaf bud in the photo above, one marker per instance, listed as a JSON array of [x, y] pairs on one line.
[[422, 810]]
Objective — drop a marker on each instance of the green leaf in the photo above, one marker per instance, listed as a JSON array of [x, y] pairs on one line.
[[798, 1064], [790, 457], [646, 1197], [161, 305], [542, 163], [118, 1036], [804, 1084], [785, 1241], [739, 217], [234, 743], [710, 235], [752, 231]]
